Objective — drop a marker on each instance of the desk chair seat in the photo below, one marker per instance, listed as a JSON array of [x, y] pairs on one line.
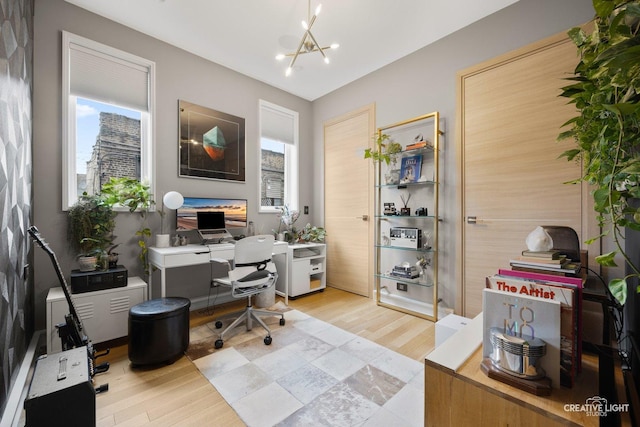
[[253, 272]]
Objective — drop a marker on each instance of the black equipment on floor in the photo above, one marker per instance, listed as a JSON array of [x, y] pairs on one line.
[[61, 392]]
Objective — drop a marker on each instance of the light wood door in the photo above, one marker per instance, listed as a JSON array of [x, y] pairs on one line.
[[348, 190], [509, 117]]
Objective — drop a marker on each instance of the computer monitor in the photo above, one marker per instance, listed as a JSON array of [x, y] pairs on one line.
[[234, 210]]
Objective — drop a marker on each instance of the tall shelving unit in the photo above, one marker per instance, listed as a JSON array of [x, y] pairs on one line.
[[407, 232]]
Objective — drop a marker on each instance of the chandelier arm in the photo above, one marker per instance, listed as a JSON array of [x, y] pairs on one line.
[[317, 45], [293, 60]]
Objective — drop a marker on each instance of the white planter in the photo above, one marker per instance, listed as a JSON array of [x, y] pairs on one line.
[[162, 240]]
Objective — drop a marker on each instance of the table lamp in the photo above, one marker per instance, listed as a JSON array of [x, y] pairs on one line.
[[172, 200]]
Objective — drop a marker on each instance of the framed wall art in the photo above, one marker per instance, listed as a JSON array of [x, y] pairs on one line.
[[212, 143]]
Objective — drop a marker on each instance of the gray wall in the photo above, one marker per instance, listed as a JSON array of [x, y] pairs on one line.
[[425, 81], [179, 75]]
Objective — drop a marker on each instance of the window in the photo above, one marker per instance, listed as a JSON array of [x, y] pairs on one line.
[[108, 106], [278, 157]]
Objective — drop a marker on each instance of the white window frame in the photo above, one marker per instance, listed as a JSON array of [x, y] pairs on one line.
[[69, 101], [291, 155]]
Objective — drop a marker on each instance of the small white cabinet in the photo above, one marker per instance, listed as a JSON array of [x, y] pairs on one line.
[[104, 314], [306, 268]]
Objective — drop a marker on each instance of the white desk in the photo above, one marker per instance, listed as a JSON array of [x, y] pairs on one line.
[[182, 256]]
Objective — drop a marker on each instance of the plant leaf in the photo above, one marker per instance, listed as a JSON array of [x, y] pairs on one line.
[[607, 260], [618, 288]]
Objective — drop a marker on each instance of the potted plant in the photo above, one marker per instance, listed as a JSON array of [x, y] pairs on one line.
[[385, 150], [91, 223], [312, 234], [286, 228], [607, 127], [135, 196]]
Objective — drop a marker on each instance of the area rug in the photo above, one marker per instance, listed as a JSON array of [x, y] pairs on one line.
[[313, 374]]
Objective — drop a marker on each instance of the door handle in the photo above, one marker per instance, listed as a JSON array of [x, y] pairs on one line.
[[363, 217], [472, 220]]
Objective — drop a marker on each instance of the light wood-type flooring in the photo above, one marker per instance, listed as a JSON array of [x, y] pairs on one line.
[[179, 395]]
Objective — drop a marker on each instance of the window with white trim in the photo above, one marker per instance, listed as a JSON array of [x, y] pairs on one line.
[[108, 109], [278, 178]]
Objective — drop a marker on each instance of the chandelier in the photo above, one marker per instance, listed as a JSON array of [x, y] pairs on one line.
[[308, 42]]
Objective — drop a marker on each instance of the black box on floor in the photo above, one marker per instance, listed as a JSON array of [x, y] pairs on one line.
[[61, 392], [89, 281]]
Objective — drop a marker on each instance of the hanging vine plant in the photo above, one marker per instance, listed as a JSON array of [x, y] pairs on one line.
[[606, 91]]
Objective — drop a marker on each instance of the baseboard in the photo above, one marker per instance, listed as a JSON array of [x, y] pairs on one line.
[[13, 410]]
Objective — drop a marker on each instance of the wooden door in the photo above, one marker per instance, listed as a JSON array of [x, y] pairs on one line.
[[509, 117], [348, 191]]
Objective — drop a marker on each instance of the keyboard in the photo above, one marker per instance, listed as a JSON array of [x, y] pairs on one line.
[[214, 236]]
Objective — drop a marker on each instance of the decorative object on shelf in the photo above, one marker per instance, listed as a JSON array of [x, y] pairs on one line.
[[212, 144], [308, 43], [91, 221], [286, 228], [422, 212], [405, 211], [172, 200], [410, 168], [605, 93], [539, 240], [422, 263], [385, 150], [390, 209]]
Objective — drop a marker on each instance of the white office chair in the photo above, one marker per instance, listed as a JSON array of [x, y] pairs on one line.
[[253, 272]]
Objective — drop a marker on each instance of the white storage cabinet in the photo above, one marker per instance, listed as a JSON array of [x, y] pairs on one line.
[[104, 314]]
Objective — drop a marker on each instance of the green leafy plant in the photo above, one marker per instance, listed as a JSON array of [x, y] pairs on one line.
[[605, 91], [135, 196], [312, 233], [91, 221], [385, 149]]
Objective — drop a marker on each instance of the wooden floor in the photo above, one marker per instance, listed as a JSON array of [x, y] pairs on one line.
[[178, 395]]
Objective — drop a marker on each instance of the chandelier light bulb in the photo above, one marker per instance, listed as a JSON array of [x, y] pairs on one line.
[[318, 9], [280, 56], [326, 60], [305, 25], [335, 46], [288, 72]]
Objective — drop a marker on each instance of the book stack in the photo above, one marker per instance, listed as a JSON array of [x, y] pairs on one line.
[[548, 288], [549, 262]]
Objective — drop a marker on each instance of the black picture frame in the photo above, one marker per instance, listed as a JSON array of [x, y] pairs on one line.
[[211, 143]]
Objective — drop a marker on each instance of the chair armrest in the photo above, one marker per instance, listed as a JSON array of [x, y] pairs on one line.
[[221, 261]]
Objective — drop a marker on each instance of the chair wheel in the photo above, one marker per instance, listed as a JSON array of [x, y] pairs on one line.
[[267, 340], [218, 324], [218, 344], [282, 322]]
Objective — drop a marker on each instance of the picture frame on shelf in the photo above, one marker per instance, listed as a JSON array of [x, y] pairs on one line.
[[410, 169]]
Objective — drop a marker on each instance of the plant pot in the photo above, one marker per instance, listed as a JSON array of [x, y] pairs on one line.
[[87, 263], [163, 240]]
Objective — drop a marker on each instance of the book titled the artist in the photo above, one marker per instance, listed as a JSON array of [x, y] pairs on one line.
[[524, 315], [568, 319]]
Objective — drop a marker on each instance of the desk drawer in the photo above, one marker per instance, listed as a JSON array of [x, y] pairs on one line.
[[227, 254], [179, 260]]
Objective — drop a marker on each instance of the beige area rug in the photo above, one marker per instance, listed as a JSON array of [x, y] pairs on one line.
[[313, 374]]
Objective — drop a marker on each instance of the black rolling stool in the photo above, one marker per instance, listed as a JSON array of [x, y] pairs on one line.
[[158, 330]]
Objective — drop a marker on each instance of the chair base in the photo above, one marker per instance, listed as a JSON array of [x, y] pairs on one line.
[[248, 315]]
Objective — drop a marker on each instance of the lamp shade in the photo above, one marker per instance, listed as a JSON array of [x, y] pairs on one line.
[[173, 200]]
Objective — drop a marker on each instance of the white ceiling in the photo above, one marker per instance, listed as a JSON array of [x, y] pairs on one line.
[[246, 35]]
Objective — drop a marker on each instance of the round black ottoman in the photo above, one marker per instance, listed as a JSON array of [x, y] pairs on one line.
[[158, 330]]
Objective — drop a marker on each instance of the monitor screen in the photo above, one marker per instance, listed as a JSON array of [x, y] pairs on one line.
[[235, 212]]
